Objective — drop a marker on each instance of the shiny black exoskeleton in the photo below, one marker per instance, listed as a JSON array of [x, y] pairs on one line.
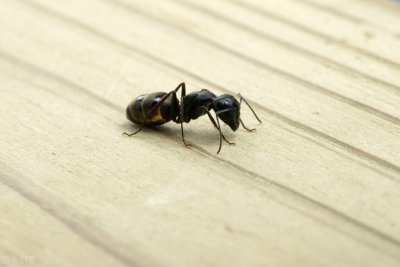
[[159, 108]]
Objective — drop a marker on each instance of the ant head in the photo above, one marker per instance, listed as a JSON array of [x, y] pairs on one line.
[[227, 109]]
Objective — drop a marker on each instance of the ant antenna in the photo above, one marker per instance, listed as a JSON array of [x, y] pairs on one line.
[[255, 115]]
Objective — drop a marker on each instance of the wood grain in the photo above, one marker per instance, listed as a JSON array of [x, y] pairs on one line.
[[375, 14], [317, 184]]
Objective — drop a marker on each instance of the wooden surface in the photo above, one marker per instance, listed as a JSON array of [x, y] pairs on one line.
[[318, 183]]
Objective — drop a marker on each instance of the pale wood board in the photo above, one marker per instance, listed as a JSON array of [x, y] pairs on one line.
[[316, 185]]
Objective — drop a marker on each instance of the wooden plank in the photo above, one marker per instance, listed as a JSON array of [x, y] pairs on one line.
[[372, 13], [352, 34], [30, 236], [391, 5], [281, 61], [336, 121], [220, 216], [283, 196], [334, 165], [323, 59]]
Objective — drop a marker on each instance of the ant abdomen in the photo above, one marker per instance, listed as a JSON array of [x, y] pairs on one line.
[[139, 109]]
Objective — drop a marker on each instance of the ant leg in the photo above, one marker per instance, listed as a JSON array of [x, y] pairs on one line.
[[220, 135], [255, 115], [249, 130], [162, 100], [215, 124], [183, 137], [181, 112], [130, 134], [218, 126], [140, 128]]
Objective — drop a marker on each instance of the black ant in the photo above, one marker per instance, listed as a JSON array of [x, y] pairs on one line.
[[159, 108]]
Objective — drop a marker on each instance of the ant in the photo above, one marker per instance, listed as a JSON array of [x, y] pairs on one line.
[[159, 108]]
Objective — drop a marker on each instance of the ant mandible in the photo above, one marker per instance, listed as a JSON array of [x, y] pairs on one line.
[[159, 108]]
